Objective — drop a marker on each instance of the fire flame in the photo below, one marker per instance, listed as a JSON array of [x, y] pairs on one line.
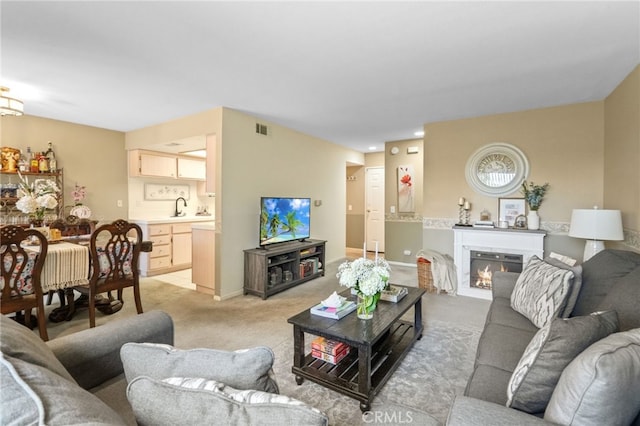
[[485, 275]]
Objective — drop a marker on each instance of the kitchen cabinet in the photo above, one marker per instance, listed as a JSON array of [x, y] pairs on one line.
[[152, 164], [181, 244], [192, 168], [171, 247], [204, 254], [164, 165]]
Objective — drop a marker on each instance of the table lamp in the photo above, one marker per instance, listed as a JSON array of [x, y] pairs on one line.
[[596, 226]]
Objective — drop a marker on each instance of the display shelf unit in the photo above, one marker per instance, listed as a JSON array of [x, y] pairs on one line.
[[9, 197], [273, 269]]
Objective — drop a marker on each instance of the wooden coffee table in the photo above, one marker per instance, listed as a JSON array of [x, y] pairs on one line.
[[377, 346]]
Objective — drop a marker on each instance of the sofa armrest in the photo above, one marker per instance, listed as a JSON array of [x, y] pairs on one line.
[[502, 284], [471, 411], [92, 356]]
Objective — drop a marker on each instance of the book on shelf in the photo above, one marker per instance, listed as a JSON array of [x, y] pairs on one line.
[[328, 346], [332, 359], [394, 294], [346, 308], [483, 224]]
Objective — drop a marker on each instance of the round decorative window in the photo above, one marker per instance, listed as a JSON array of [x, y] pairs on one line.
[[497, 169]]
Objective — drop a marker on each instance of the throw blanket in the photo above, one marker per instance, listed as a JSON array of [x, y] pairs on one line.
[[443, 270]]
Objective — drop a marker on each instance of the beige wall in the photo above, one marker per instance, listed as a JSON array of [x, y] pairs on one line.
[[284, 163], [564, 146], [622, 152], [89, 156]]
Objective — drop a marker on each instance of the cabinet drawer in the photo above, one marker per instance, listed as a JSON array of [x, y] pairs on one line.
[[181, 228], [160, 240], [159, 262], [163, 229], [159, 251]]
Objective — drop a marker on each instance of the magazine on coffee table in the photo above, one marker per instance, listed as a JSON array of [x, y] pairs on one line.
[[346, 308]]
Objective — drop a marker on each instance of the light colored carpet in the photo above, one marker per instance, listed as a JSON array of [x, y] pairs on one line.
[[428, 379]]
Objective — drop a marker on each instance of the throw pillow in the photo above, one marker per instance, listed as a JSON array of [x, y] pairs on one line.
[[576, 285], [550, 351], [242, 369], [32, 394], [20, 342], [601, 385], [161, 403], [541, 291]]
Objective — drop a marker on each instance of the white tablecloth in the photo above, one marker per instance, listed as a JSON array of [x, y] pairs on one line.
[[66, 265]]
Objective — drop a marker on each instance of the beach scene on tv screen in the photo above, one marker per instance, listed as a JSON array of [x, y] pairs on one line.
[[284, 219]]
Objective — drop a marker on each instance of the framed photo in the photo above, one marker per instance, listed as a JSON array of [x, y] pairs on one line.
[[510, 208]]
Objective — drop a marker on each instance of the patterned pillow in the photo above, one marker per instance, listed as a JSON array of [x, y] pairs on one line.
[[203, 401], [549, 352], [244, 396], [541, 291]]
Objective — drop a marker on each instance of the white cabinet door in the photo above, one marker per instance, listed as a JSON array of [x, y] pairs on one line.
[[157, 165], [192, 169]]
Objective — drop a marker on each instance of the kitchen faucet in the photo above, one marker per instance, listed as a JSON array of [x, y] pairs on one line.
[[178, 212]]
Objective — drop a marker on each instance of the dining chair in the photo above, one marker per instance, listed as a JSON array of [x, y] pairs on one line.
[[21, 269], [115, 252]]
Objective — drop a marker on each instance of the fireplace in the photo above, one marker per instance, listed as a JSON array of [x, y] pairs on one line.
[[525, 243], [483, 264]]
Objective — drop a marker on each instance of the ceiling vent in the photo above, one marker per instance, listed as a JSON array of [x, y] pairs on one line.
[[262, 129]]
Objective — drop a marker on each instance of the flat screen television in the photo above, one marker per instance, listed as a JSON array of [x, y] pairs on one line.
[[284, 219]]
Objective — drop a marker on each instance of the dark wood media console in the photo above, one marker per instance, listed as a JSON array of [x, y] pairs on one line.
[[268, 271]]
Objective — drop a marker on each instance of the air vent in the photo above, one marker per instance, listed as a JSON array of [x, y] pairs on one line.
[[261, 129]]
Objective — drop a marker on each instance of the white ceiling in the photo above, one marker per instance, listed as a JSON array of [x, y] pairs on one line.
[[354, 73]]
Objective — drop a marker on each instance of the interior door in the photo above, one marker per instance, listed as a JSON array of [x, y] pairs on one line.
[[374, 203]]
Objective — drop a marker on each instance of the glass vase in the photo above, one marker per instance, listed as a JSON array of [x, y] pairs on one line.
[[365, 306]]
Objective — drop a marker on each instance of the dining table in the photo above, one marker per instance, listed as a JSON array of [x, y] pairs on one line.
[[67, 266]]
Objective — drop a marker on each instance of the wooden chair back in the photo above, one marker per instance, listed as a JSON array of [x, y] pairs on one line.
[[20, 274], [115, 253]]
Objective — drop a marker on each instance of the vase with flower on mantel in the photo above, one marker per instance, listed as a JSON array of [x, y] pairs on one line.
[[533, 220]]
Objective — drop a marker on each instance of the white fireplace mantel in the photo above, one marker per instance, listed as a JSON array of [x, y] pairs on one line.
[[524, 242]]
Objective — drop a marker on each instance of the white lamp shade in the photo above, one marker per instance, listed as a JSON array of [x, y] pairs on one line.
[[596, 224]]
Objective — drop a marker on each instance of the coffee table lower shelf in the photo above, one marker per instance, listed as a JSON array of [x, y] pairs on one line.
[[344, 377]]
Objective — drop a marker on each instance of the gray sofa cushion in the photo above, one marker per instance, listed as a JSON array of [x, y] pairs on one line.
[[599, 275], [541, 291], [156, 402], [32, 394], [624, 297], [550, 351], [21, 343], [601, 385], [470, 411], [502, 313], [242, 369]]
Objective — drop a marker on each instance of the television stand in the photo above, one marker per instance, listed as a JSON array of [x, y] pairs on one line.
[[270, 271]]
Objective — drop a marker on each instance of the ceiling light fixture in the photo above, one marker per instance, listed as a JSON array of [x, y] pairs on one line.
[[419, 133], [9, 105], [372, 148]]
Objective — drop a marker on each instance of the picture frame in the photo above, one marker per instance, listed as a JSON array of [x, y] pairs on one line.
[[510, 208]]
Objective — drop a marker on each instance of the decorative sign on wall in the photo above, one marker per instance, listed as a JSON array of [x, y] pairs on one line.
[[153, 191], [405, 189]]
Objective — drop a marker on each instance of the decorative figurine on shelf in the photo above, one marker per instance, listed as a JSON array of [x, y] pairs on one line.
[[463, 212]]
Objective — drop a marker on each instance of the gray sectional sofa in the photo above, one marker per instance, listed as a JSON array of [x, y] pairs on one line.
[[609, 281]]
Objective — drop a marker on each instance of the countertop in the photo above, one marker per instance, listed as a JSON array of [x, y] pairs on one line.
[[206, 226], [169, 219]]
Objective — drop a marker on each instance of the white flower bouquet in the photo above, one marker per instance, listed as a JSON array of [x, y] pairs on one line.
[[37, 196], [367, 277]]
